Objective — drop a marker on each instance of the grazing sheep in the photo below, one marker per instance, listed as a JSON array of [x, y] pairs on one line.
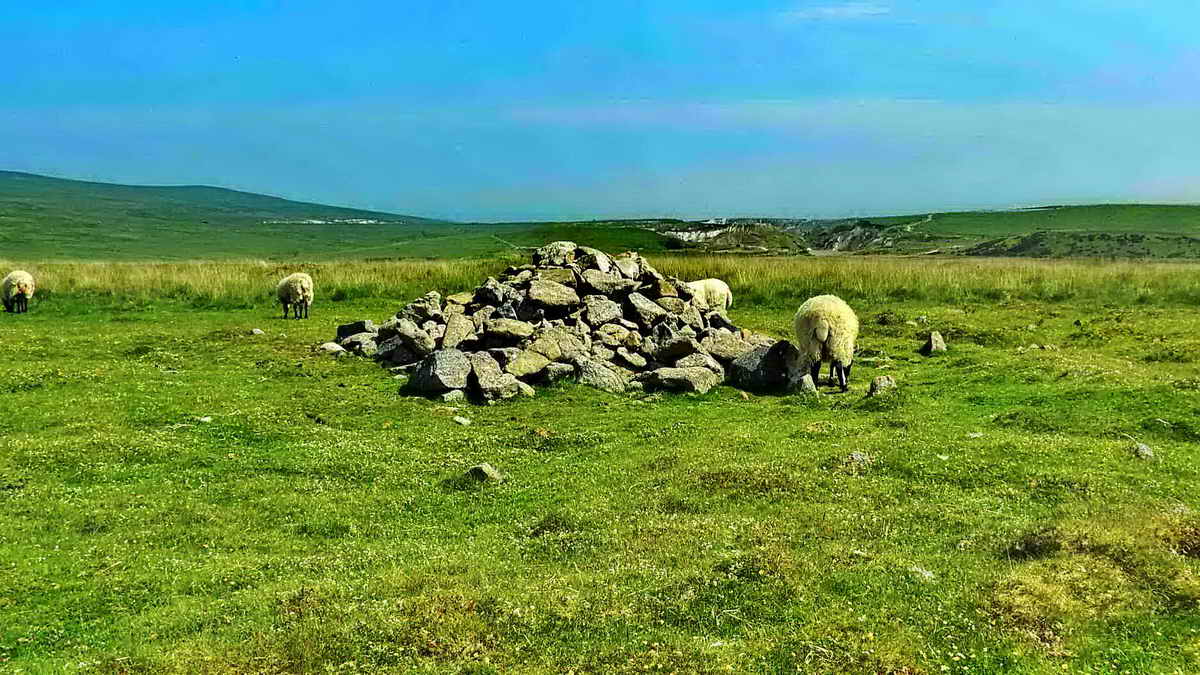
[[712, 292], [18, 289], [295, 290], [826, 329]]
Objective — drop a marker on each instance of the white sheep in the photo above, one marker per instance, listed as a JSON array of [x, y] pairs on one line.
[[295, 290], [18, 289], [826, 329], [713, 293]]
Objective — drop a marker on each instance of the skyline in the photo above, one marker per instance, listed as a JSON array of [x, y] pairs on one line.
[[543, 112]]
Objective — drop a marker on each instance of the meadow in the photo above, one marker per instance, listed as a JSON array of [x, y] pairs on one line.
[[177, 495]]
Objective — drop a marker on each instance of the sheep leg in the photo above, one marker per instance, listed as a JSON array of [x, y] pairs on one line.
[[841, 372], [814, 371], [833, 365], [306, 310]]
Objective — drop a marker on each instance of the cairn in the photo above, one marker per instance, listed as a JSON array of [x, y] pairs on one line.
[[612, 322]]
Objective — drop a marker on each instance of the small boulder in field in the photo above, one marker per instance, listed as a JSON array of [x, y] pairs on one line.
[[442, 371], [417, 340], [332, 348], [527, 363], [454, 396], [484, 473], [933, 344], [882, 385], [599, 310], [806, 386], [557, 371], [1143, 451], [256, 331], [458, 419]]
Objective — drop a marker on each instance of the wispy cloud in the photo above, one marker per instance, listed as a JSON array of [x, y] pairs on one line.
[[848, 11]]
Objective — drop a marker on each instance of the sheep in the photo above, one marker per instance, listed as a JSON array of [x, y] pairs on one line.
[[713, 293], [18, 288], [826, 329], [295, 290]]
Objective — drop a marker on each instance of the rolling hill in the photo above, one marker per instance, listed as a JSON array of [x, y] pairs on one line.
[[44, 218]]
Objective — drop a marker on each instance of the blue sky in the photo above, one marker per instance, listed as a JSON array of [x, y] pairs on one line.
[[476, 110]]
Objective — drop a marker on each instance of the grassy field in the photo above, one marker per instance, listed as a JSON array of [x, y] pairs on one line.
[[177, 495], [1144, 218]]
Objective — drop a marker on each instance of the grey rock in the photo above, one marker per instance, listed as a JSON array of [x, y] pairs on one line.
[[882, 384], [481, 317], [434, 329], [362, 344], [256, 331], [672, 304], [395, 350], [417, 340], [692, 317], [804, 385], [631, 359], [528, 363], [461, 299], [594, 259], [1143, 451], [696, 379], [702, 360], [458, 328], [608, 284], [610, 335], [332, 348], [462, 420], [484, 473], [504, 354], [346, 330], [597, 374], [600, 310], [508, 329], [426, 308], [560, 275], [442, 371], [453, 396], [675, 348], [551, 295], [765, 368], [601, 352], [644, 310], [628, 264], [557, 343], [558, 371], [726, 347], [492, 382], [525, 389], [934, 343], [492, 292], [555, 253]]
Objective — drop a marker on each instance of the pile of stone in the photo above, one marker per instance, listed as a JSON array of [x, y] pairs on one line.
[[612, 322]]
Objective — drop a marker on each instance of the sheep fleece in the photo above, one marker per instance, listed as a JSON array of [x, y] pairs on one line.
[[716, 293], [19, 281], [295, 288], [826, 329]]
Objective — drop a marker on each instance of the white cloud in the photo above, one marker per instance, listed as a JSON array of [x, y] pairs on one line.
[[843, 12]]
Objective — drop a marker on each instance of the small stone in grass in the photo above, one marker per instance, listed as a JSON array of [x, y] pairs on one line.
[[256, 331], [1143, 451], [484, 473], [452, 396], [206, 419], [462, 420]]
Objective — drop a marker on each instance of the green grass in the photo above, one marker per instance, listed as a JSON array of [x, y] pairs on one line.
[[1143, 218], [315, 523]]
